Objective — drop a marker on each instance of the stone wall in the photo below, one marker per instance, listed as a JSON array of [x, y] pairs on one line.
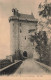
[[19, 31], [13, 36]]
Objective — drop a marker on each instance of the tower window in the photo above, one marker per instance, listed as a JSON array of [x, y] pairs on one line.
[[20, 24], [25, 37], [20, 30]]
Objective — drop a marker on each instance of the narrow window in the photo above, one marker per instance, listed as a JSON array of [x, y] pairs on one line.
[[25, 37], [20, 30], [13, 24], [20, 24]]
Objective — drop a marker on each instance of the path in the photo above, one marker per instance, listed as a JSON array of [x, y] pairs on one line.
[[30, 66]]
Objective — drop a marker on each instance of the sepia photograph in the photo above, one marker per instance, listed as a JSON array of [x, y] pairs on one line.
[[25, 37]]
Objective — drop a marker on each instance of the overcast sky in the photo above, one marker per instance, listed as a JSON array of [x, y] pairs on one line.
[[24, 6]]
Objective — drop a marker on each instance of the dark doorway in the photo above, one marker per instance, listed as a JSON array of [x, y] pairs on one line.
[[25, 54]]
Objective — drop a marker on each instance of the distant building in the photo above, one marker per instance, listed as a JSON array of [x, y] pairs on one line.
[[21, 27]]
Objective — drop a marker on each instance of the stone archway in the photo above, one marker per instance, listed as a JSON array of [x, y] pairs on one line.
[[25, 53]]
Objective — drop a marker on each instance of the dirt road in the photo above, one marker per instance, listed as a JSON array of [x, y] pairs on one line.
[[30, 66]]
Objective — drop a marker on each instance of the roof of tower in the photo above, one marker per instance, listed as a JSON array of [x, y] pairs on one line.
[[23, 17], [26, 17]]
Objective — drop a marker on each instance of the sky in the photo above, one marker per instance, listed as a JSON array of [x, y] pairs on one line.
[[24, 6]]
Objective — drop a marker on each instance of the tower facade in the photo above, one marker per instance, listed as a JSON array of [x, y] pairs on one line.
[[21, 27]]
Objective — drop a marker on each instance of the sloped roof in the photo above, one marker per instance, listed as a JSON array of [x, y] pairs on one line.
[[20, 16], [26, 17]]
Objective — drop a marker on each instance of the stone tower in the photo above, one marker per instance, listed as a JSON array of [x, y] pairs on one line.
[[21, 27]]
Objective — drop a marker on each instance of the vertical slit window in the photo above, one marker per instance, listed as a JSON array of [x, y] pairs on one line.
[[20, 30], [25, 37], [20, 24]]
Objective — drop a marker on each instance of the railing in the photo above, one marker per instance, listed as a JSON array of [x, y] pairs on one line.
[[10, 68], [47, 68]]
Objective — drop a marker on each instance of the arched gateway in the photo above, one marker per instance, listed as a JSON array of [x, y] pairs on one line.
[[25, 54]]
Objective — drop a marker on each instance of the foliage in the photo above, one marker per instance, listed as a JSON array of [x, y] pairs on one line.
[[42, 46], [4, 63], [46, 11]]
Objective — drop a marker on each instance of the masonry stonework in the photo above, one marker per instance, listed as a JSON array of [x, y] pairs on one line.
[[21, 27]]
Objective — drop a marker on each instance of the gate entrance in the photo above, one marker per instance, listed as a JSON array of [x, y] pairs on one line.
[[25, 54]]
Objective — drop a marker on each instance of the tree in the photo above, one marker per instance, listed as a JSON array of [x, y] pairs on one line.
[[46, 11], [41, 47]]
